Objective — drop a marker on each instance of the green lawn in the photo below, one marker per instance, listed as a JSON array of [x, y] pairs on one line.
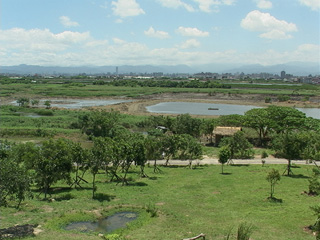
[[189, 202]]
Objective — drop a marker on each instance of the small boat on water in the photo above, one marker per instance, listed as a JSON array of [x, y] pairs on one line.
[[213, 108]]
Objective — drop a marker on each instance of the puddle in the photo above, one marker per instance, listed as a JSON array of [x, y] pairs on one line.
[[104, 225]]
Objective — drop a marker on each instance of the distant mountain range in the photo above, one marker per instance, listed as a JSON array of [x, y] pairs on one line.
[[295, 68]]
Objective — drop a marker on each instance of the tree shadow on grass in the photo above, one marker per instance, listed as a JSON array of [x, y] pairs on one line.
[[138, 184], [239, 165], [225, 173], [103, 197], [64, 197], [298, 176], [153, 178], [274, 200]]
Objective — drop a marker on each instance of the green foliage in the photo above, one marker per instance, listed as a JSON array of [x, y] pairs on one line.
[[244, 231], [273, 177], [232, 120], [47, 103], [99, 123], [113, 236], [52, 164], [314, 182], [23, 101], [14, 182], [268, 100], [264, 154], [185, 124], [152, 210], [239, 146], [316, 225], [35, 102], [283, 98], [224, 156]]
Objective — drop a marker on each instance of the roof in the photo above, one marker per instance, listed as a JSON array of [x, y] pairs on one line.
[[226, 131]]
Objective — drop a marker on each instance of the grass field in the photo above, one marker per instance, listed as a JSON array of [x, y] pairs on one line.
[[189, 202], [89, 90]]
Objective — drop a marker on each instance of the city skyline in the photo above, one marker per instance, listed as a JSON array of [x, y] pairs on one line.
[[159, 32]]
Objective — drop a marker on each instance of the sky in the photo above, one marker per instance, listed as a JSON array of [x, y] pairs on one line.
[[158, 32]]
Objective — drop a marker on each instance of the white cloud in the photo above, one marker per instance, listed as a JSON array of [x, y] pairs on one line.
[[176, 4], [38, 40], [190, 43], [156, 34], [313, 4], [275, 34], [192, 32], [66, 21], [42, 47], [264, 4], [206, 5], [271, 27], [126, 8]]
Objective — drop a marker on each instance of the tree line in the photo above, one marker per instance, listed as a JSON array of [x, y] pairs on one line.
[[115, 148]]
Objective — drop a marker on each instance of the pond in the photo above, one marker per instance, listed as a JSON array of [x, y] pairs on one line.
[[104, 225], [80, 103], [194, 108]]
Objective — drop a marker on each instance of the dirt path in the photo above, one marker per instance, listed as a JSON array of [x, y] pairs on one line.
[[214, 161]]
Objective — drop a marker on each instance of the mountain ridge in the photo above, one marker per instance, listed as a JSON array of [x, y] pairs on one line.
[[294, 68]]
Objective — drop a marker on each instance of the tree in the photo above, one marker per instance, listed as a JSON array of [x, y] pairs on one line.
[[14, 181], [314, 182], [232, 120], [47, 103], [224, 156], [258, 119], [238, 145], [154, 150], [35, 102], [188, 148], [99, 123], [207, 128], [290, 146], [80, 159], [285, 119], [101, 153], [52, 164], [316, 225], [23, 102], [185, 124], [273, 177]]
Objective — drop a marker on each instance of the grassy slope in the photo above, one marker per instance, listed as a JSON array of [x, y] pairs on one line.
[[190, 202]]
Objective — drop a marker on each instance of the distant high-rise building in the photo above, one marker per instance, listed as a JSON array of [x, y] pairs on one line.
[[117, 70], [283, 74]]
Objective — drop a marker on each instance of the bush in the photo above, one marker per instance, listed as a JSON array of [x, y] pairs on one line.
[[151, 208], [314, 182]]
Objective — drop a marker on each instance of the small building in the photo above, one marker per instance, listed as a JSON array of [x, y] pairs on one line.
[[221, 132]]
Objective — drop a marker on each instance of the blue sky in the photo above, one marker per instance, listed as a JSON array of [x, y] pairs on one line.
[[158, 32]]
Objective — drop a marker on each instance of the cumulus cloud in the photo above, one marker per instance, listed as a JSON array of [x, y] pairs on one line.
[[156, 34], [190, 43], [176, 4], [271, 27], [264, 4], [66, 21], [38, 39], [206, 5], [192, 32], [42, 47], [126, 8], [313, 4]]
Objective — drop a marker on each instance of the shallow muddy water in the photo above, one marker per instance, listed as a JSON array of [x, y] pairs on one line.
[[104, 225]]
